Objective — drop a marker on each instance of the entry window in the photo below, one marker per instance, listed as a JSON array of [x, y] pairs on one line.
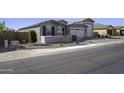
[[85, 32], [44, 30], [53, 30], [121, 32], [59, 31], [109, 32], [63, 31], [48, 31]]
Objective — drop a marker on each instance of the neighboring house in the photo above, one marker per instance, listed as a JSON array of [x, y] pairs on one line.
[[53, 31], [9, 29], [120, 30], [105, 30]]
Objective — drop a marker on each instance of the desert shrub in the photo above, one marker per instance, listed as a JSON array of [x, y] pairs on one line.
[[32, 36]]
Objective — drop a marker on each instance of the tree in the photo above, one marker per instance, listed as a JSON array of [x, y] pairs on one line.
[[32, 36], [2, 31], [2, 28]]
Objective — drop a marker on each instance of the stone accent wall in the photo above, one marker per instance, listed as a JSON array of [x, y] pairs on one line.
[[55, 39]]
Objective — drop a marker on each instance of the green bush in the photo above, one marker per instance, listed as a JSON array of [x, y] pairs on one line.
[[32, 36]]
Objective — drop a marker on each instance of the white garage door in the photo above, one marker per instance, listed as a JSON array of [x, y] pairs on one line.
[[77, 32]]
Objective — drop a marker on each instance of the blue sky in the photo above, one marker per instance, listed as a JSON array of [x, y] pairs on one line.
[[16, 23]]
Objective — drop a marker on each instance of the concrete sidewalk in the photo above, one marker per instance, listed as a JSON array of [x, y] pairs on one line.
[[21, 54], [83, 42]]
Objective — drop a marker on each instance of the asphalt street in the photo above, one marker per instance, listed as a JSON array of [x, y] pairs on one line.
[[107, 59]]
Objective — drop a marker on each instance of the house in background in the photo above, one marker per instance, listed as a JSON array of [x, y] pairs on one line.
[[10, 29], [120, 30], [104, 30], [54, 31]]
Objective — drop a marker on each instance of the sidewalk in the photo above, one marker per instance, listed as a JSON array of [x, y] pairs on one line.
[[84, 42], [21, 54]]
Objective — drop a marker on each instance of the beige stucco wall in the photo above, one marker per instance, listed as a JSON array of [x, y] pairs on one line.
[[101, 32], [104, 32], [118, 31], [37, 29]]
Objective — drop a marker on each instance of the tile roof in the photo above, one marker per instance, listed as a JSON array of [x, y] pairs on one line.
[[99, 26], [84, 20], [62, 21], [31, 26], [118, 27], [77, 25], [59, 22], [89, 20], [43, 23]]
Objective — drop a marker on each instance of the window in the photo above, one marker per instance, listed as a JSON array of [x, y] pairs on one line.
[[59, 31], [53, 30], [76, 29], [59, 28], [48, 31], [44, 30]]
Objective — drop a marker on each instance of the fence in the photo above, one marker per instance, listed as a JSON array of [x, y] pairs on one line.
[[10, 36]]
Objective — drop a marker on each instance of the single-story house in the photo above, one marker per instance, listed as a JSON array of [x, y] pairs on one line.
[[53, 31], [50, 31], [105, 30]]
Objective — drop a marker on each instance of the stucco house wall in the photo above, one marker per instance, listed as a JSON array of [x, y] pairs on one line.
[[104, 32], [101, 32], [36, 29], [118, 31], [90, 27], [121, 31]]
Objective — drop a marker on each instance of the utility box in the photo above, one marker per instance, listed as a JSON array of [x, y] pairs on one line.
[[6, 44], [14, 43]]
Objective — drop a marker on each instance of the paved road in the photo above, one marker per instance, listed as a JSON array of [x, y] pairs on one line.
[[108, 59]]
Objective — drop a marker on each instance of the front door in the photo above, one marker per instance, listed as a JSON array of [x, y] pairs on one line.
[[109, 32], [53, 31], [74, 38], [63, 31], [44, 30], [121, 32]]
